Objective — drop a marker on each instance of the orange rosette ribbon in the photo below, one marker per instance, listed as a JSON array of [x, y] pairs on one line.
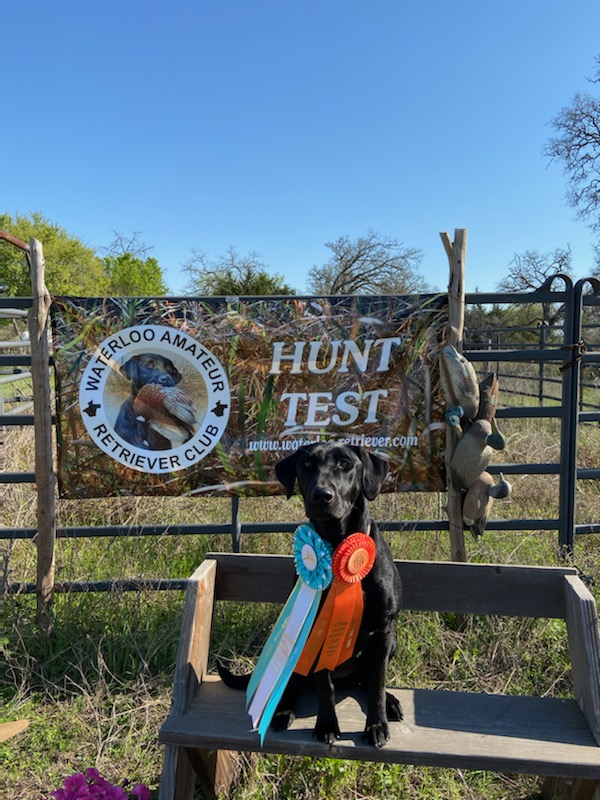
[[334, 633]]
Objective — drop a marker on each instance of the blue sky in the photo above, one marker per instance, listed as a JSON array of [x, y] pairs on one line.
[[278, 125]]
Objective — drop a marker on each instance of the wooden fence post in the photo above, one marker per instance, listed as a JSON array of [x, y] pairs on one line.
[[44, 468], [456, 252]]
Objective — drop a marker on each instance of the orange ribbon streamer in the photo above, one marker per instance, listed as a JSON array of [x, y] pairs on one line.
[[333, 636]]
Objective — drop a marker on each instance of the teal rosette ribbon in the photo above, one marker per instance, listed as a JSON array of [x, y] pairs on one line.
[[313, 560]]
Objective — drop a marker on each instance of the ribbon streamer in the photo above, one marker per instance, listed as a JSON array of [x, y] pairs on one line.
[[334, 634], [313, 559]]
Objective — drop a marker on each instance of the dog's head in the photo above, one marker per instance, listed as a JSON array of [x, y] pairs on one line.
[[150, 368], [333, 478]]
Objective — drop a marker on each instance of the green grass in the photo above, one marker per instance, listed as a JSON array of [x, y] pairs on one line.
[[98, 688]]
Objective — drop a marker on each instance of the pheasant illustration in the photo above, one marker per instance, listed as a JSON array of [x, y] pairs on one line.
[[166, 410]]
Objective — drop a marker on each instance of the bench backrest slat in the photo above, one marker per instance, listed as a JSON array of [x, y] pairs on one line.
[[428, 585]]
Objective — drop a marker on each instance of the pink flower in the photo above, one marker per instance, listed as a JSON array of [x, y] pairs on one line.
[[92, 786], [75, 783], [140, 792], [73, 787]]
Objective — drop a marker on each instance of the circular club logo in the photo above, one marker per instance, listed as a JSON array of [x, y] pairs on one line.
[[154, 398]]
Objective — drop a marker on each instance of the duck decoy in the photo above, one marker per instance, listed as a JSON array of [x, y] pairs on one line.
[[479, 499], [473, 452], [460, 387], [168, 410], [489, 389]]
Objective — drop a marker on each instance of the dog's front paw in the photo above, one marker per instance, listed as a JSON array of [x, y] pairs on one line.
[[327, 730], [282, 719], [393, 709], [377, 734]]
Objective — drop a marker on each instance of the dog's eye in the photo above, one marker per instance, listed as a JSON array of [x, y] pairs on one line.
[[345, 464], [307, 463]]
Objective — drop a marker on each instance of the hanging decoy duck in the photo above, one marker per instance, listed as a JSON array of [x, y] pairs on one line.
[[479, 499], [473, 452], [167, 410], [460, 387], [489, 389]]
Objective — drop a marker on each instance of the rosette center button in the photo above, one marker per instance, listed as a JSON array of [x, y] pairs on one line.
[[309, 557]]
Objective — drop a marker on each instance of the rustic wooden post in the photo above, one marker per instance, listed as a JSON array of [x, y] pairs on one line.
[[456, 252], [44, 470]]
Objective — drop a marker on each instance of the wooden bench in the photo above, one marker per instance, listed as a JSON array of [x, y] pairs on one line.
[[208, 722]]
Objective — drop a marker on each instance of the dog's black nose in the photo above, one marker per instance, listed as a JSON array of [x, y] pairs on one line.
[[322, 494], [165, 380]]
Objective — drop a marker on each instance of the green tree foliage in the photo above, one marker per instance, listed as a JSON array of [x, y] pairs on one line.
[[371, 264], [129, 275], [233, 275], [130, 270], [71, 266]]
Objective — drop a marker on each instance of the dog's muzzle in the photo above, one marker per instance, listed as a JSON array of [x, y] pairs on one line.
[[164, 380], [321, 501], [322, 495]]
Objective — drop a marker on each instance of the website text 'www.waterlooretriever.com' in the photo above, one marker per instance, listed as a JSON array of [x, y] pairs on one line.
[[358, 440]]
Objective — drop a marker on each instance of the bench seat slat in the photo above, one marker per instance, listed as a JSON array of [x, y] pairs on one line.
[[541, 736], [427, 585]]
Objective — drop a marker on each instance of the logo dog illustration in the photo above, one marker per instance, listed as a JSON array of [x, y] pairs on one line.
[[158, 414]]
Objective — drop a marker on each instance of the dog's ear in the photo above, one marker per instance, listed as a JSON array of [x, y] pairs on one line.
[[374, 472], [130, 368], [286, 473]]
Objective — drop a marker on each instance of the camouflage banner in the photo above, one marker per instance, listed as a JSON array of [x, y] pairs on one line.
[[170, 396]]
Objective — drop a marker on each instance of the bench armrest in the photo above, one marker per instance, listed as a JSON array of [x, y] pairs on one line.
[[584, 647], [192, 655]]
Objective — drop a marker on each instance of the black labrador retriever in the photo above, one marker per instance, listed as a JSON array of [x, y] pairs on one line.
[[142, 370], [336, 481]]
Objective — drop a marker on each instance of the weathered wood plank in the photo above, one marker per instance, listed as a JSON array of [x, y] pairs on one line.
[[216, 769], [584, 646], [484, 588], [456, 252], [178, 774], [428, 586], [194, 644], [45, 477], [570, 789], [178, 777], [540, 736], [249, 577], [10, 729]]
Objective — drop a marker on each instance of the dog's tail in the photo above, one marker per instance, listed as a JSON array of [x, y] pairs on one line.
[[230, 679]]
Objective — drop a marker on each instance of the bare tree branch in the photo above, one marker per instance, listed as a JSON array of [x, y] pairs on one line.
[[123, 243], [577, 146], [371, 264]]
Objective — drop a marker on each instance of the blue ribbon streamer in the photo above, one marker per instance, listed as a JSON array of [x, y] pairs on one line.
[[312, 558], [286, 672]]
